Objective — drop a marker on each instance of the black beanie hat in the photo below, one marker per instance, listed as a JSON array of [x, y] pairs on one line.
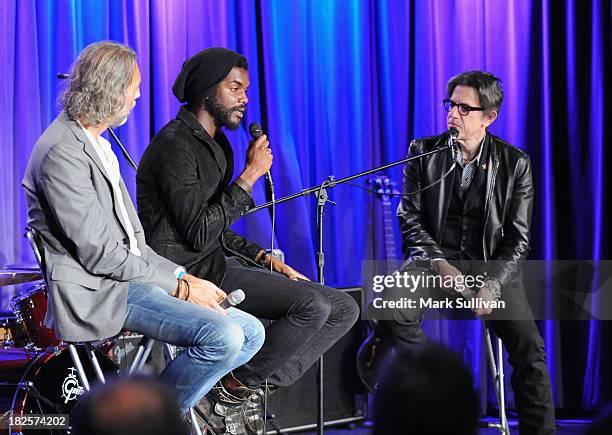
[[202, 71]]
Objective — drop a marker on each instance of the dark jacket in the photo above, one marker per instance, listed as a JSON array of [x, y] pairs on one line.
[[506, 214], [186, 200]]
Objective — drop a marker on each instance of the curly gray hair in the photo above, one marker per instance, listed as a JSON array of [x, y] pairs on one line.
[[97, 83]]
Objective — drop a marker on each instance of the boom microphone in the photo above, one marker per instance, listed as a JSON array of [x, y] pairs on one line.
[[453, 134], [232, 299]]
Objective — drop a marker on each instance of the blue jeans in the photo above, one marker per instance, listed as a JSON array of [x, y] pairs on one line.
[[214, 344]]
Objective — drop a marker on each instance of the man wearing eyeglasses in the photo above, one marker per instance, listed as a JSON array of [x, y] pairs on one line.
[[473, 220]]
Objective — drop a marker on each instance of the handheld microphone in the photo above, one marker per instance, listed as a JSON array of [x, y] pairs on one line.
[[255, 131], [232, 299]]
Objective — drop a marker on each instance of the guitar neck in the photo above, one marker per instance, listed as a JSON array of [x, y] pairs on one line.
[[390, 252]]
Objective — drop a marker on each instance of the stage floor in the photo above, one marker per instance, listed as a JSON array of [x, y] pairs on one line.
[[564, 427]]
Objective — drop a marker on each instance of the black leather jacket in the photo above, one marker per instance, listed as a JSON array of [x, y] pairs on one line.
[[506, 214], [186, 200]]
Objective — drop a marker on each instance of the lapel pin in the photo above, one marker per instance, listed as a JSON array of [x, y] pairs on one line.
[[484, 166]]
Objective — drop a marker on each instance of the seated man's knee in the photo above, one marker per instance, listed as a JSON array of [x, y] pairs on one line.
[[224, 343], [347, 308], [314, 310], [234, 337]]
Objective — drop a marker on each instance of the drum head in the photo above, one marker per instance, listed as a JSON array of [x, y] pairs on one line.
[[57, 387]]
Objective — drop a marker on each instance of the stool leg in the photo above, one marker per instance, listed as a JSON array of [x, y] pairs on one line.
[[79, 367], [194, 423], [94, 362], [497, 372], [138, 356], [502, 388], [146, 353], [142, 353]]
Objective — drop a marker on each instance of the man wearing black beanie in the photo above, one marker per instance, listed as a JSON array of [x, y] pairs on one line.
[[187, 201]]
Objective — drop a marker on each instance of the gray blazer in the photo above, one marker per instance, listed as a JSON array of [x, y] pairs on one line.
[[88, 264]]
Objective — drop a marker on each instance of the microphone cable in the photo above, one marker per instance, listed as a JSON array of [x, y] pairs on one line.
[[255, 131], [273, 198]]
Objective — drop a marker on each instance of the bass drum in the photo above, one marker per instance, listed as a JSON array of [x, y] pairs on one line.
[[43, 382], [30, 307]]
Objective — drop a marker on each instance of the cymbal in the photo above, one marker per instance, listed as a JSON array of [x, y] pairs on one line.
[[24, 265], [18, 276]]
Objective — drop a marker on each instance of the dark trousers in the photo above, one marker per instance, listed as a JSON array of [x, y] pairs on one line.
[[522, 340], [308, 319]]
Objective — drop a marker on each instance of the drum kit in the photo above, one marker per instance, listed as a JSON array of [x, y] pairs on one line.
[[37, 375]]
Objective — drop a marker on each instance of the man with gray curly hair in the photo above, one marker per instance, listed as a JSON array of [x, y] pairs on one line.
[[101, 274], [95, 94]]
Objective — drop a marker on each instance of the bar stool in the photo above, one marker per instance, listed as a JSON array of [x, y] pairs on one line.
[[142, 352]]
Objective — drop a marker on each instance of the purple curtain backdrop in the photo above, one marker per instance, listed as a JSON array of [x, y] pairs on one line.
[[342, 86]]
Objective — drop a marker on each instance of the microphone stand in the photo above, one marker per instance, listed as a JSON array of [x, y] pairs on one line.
[[123, 149], [331, 182], [322, 199]]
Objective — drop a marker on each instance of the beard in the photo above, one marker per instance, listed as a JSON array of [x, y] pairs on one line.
[[119, 121], [121, 117], [223, 116]]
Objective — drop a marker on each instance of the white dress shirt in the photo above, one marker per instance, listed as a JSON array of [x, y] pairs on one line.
[[111, 166]]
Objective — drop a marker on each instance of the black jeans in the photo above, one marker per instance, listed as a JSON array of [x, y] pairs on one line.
[[521, 338], [308, 319]]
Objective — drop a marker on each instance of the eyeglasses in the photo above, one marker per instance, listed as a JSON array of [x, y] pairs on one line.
[[464, 109]]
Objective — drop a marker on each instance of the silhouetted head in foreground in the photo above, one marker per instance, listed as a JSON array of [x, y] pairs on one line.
[[426, 390], [132, 406]]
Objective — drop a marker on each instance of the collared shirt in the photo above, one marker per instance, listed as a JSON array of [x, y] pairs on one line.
[[111, 166], [468, 169]]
